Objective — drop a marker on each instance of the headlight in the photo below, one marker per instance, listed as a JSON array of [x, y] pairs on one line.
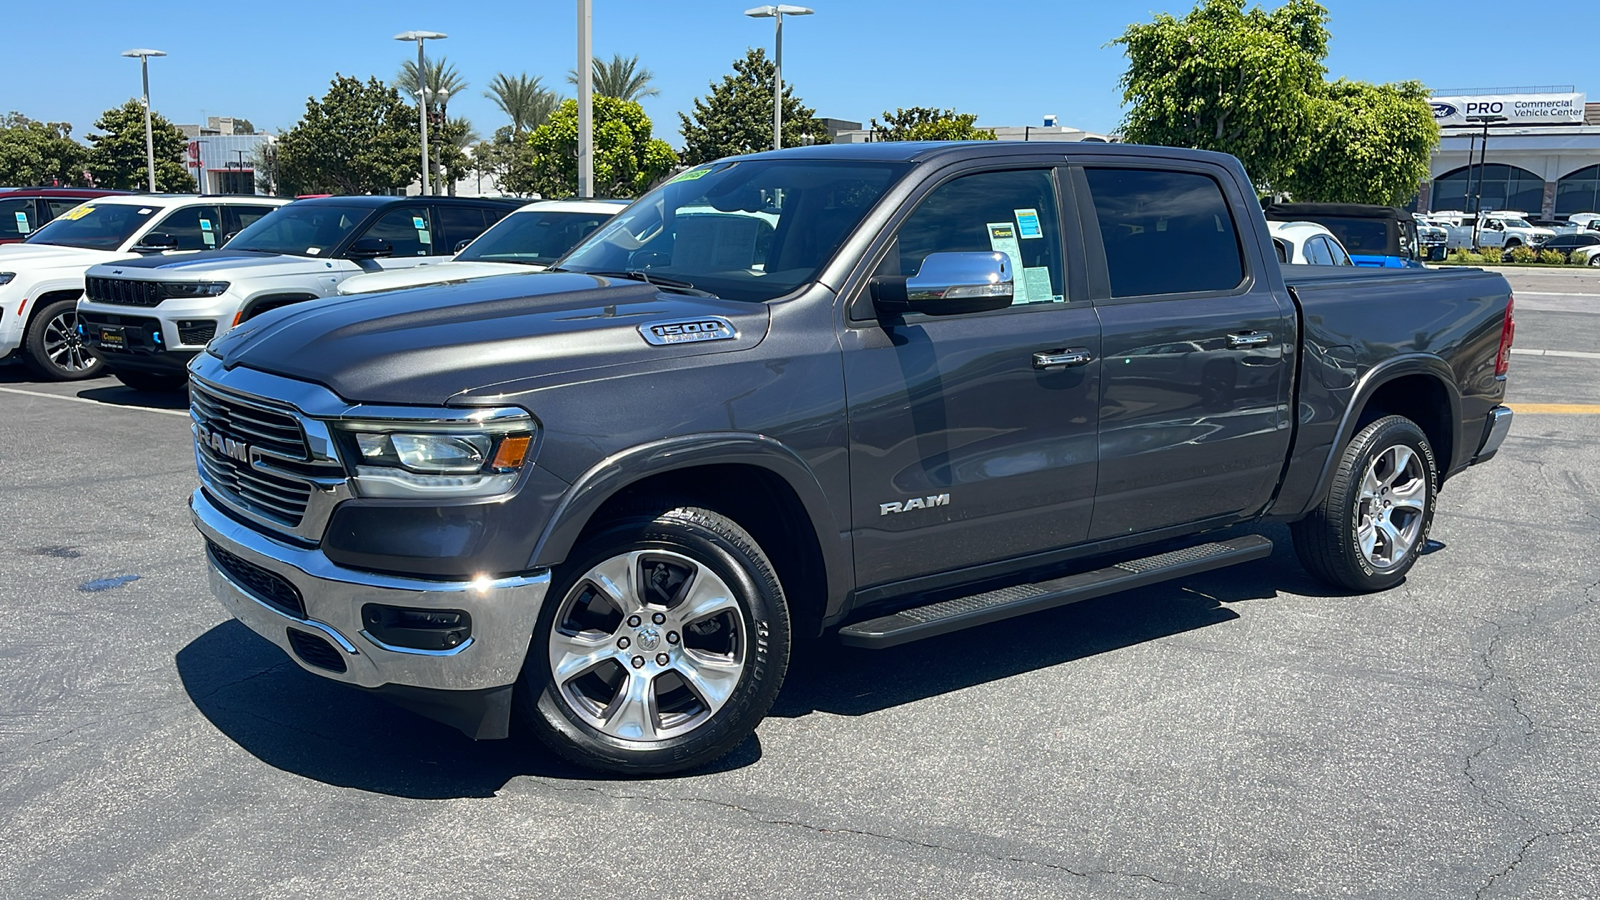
[[188, 291], [469, 459], [5, 277]]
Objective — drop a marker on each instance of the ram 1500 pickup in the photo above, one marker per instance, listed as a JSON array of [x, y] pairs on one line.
[[889, 391]]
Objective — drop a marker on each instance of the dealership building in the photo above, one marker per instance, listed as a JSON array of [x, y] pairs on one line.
[[1535, 150]]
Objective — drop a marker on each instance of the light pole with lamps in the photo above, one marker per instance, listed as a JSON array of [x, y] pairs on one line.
[[149, 137], [1483, 169], [422, 90], [777, 13]]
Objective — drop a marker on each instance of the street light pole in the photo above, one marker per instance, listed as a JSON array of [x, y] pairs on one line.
[[422, 90], [585, 99], [1483, 171], [776, 13], [149, 135]]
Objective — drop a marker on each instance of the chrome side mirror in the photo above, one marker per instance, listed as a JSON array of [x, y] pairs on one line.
[[948, 284]]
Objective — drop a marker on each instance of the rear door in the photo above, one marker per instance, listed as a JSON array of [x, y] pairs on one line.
[[194, 227], [963, 448], [1194, 417], [19, 217], [409, 232]]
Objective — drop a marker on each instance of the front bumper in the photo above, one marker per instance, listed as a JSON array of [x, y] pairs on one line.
[[504, 612], [1494, 434]]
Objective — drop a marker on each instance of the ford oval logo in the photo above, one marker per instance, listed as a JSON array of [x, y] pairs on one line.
[[1443, 110]]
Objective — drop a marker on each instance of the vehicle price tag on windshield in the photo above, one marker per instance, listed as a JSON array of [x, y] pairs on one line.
[[22, 223], [1028, 224], [76, 213]]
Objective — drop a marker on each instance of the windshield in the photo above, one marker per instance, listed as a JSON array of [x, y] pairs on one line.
[[534, 237], [311, 229], [745, 230], [104, 227], [1515, 222]]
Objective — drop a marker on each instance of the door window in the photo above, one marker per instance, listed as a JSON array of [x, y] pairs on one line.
[[1013, 212], [1317, 251], [1165, 232], [406, 230], [17, 218], [55, 206], [457, 224], [1340, 258], [194, 227], [247, 215]]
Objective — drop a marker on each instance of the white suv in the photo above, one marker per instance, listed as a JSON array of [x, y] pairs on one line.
[[42, 278], [148, 317]]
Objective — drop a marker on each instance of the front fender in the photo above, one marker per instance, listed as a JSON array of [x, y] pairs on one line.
[[604, 479]]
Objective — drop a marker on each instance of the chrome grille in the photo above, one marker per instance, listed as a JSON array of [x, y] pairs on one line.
[[277, 497], [122, 291]]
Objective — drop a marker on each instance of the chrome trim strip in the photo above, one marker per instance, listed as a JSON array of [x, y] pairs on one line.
[[415, 651], [1494, 434]]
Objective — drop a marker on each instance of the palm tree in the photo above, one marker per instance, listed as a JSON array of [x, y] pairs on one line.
[[621, 78], [442, 80], [524, 100]]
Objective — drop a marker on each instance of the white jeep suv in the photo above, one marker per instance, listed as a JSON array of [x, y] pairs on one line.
[[42, 278]]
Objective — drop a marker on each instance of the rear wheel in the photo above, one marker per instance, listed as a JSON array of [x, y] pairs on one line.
[[663, 643], [1369, 529], [54, 349], [154, 382]]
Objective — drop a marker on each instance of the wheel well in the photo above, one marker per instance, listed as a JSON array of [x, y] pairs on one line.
[[1422, 399], [49, 297], [269, 302], [761, 502]]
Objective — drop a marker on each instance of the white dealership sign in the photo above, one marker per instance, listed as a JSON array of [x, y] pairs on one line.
[[1518, 109]]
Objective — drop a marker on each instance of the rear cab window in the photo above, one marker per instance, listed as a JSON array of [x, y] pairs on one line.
[[1165, 232]]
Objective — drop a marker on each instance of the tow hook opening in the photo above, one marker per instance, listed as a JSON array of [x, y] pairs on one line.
[[417, 629]]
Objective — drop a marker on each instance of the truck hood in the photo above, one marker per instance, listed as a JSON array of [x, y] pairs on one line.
[[425, 346], [50, 256], [207, 264], [430, 273]]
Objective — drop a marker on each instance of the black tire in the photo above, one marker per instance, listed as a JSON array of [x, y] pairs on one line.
[[153, 382], [53, 348], [1329, 541], [740, 653]]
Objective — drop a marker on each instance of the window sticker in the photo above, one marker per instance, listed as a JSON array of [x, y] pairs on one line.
[[1028, 224], [313, 250], [1037, 278], [419, 223], [205, 224], [76, 213], [692, 174], [146, 211], [423, 236], [22, 223], [210, 237], [1003, 239]]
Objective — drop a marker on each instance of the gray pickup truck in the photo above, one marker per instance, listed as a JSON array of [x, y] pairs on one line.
[[886, 391]]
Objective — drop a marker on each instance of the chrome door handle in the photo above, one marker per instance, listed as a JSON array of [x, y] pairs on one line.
[[1249, 338], [1062, 359]]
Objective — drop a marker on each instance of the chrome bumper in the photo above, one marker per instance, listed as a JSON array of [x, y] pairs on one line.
[[504, 612], [1494, 433]]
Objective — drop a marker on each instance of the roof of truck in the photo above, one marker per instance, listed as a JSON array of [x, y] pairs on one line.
[[921, 151]]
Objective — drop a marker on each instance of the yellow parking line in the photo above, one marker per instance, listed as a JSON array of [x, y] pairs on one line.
[[1570, 409]]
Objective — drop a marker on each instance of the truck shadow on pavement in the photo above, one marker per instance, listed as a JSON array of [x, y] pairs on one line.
[[342, 736]]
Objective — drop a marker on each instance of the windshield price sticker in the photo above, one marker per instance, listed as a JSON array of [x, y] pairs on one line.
[[692, 174], [76, 213], [1028, 224]]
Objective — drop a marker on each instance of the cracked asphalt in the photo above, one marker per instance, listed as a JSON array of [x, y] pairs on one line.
[[1246, 733]]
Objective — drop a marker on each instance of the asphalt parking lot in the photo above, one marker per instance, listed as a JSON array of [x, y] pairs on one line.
[[1246, 733]]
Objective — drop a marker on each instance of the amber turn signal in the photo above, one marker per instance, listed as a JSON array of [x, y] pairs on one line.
[[513, 450]]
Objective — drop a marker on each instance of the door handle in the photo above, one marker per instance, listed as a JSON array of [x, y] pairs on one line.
[[1249, 338], [1062, 359]]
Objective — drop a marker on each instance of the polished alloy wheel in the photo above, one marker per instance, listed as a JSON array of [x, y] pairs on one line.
[[1393, 498], [648, 645], [64, 346]]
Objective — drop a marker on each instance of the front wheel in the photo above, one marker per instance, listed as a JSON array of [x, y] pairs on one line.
[[54, 349], [662, 645], [1368, 530]]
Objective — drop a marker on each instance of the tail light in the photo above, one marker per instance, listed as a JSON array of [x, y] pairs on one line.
[[1508, 330]]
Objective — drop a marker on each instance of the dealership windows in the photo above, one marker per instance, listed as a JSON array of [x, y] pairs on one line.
[[1579, 192], [1503, 187]]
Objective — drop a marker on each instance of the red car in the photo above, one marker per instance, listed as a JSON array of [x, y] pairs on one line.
[[24, 210]]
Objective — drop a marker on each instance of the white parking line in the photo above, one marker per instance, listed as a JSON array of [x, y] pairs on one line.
[[1551, 294], [1573, 354], [165, 412]]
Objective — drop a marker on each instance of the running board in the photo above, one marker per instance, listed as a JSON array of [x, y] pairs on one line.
[[992, 606]]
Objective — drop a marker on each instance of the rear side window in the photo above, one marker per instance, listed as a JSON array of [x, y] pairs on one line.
[[457, 224], [1165, 232], [57, 206], [17, 218]]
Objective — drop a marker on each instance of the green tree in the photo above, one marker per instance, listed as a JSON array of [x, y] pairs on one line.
[[1369, 143], [39, 153], [1225, 79], [627, 160], [358, 139], [621, 78], [448, 146], [243, 126], [524, 100], [920, 123], [440, 77], [737, 116], [117, 159], [265, 163]]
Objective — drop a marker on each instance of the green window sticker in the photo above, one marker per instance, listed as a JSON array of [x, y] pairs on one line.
[[692, 174]]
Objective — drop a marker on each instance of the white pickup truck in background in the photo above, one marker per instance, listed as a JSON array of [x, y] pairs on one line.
[[1505, 229]]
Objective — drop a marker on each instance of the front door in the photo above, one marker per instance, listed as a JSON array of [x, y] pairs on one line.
[[963, 449], [1194, 401]]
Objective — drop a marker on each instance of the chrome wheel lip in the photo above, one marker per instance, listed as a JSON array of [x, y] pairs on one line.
[[63, 346], [633, 713], [1391, 507]]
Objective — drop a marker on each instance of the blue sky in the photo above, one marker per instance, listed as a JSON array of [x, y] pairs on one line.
[[1010, 62]]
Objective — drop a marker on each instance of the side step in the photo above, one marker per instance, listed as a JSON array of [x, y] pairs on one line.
[[992, 606]]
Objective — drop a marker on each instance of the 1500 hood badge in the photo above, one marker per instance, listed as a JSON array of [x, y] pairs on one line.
[[685, 331]]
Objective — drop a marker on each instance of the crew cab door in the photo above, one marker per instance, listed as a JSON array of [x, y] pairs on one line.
[[964, 448], [1194, 413], [410, 235]]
